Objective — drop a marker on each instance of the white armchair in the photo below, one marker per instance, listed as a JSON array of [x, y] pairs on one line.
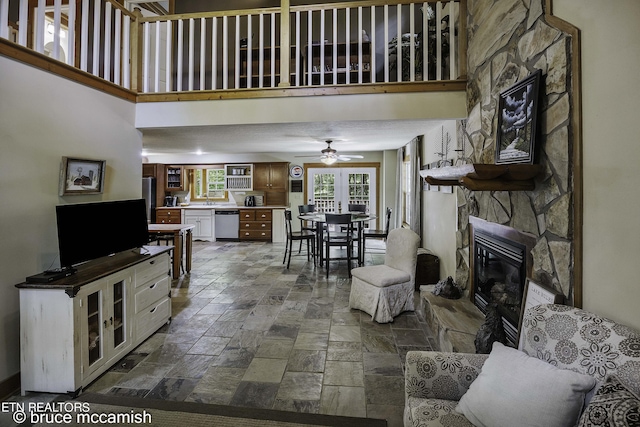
[[386, 290]]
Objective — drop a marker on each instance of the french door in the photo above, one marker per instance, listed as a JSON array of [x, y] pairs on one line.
[[333, 189]]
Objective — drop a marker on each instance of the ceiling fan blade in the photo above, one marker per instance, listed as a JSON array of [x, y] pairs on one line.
[[314, 157], [351, 156]]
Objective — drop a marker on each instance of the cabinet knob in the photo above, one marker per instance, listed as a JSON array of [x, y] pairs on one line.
[[246, 225], [264, 225]]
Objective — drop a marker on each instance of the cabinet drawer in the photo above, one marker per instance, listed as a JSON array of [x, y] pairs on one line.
[[151, 293], [151, 319], [168, 216], [255, 225], [255, 234], [247, 215], [149, 271], [263, 214]]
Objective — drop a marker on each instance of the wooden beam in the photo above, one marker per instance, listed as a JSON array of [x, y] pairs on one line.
[[285, 44], [43, 62], [577, 155], [404, 87]]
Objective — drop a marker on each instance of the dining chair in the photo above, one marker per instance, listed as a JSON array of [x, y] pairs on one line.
[[167, 240], [357, 207], [376, 234], [354, 207], [301, 235], [334, 238], [304, 224]]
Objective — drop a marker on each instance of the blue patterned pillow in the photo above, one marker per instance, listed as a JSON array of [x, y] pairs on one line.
[[612, 405]]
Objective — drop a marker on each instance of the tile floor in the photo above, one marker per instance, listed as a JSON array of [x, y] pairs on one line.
[[248, 332]]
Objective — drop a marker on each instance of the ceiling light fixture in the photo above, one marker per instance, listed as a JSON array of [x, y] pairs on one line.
[[329, 159]]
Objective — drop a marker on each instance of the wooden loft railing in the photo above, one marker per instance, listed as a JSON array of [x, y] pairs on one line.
[[346, 47]]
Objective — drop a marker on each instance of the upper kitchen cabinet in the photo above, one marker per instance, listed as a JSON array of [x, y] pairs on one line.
[[273, 179], [238, 177], [271, 176], [174, 178]]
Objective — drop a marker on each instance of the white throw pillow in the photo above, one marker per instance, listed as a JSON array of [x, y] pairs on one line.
[[515, 389]]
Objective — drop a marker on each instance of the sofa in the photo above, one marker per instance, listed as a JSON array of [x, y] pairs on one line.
[[572, 368]]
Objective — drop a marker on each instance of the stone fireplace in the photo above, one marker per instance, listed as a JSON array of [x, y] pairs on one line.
[[500, 264], [528, 39]]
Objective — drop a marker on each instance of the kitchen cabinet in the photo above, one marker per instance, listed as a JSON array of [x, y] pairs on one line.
[[168, 216], [255, 224], [202, 219], [278, 231], [273, 179], [238, 177], [73, 329], [174, 178]]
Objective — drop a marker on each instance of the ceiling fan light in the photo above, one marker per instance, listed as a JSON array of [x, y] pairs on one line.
[[328, 160]]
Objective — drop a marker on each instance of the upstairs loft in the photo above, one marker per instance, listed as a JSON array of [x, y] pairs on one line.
[[359, 47]]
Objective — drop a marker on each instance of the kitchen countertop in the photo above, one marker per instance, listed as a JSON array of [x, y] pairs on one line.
[[221, 207]]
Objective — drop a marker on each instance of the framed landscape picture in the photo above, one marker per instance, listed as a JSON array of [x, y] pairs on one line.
[[81, 176], [517, 121]]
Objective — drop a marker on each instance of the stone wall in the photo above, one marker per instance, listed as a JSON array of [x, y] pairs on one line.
[[507, 41]]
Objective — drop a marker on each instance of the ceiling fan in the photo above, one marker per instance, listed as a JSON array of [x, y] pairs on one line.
[[329, 155]]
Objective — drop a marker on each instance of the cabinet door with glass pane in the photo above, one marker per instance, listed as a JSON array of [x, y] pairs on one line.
[[104, 321]]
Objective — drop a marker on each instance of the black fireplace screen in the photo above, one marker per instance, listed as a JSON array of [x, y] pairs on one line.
[[499, 266]]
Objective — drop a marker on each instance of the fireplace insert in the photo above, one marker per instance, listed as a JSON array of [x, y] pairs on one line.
[[499, 278]]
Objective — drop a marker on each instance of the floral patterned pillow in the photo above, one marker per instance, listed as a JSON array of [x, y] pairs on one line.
[[612, 405]]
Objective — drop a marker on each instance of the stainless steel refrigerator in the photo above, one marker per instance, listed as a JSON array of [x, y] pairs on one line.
[[149, 195]]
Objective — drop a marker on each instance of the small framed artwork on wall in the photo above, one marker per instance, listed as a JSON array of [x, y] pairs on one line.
[[517, 121], [81, 176]]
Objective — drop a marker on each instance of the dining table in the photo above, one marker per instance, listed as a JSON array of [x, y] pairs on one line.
[[178, 231], [319, 219]]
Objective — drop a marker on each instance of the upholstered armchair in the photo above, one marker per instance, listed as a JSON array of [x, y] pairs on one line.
[[386, 290], [573, 368]]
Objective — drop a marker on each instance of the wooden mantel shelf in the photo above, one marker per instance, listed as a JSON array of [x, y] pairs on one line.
[[485, 177]]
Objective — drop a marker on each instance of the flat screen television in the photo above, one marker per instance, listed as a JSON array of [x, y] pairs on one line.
[[88, 231]]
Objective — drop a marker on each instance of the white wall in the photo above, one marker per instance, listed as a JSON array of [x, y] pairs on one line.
[[439, 218], [610, 91], [42, 118]]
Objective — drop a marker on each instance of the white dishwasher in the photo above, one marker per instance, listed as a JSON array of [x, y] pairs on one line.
[[227, 224]]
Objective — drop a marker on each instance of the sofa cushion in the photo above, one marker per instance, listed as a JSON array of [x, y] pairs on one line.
[[381, 275], [613, 405], [513, 386]]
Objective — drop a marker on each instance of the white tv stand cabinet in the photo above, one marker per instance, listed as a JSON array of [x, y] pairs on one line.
[[74, 329]]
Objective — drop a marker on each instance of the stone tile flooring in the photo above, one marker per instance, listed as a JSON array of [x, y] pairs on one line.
[[248, 332]]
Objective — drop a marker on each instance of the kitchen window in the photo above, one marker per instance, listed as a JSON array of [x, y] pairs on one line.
[[207, 183]]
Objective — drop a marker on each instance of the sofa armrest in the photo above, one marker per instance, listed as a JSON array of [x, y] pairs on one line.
[[439, 375]]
